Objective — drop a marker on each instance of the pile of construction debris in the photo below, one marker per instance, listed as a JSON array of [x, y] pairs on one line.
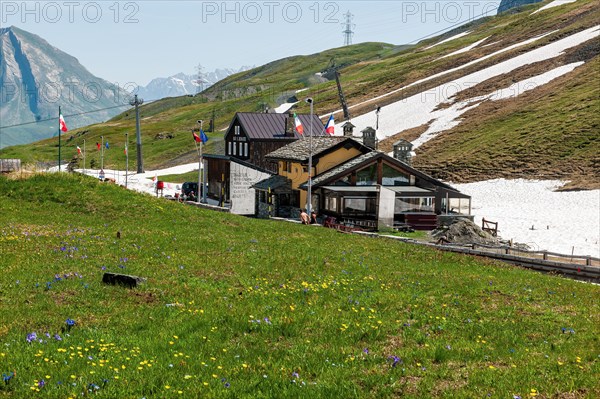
[[463, 231]]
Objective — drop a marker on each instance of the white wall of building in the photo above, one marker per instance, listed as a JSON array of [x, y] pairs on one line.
[[242, 196]]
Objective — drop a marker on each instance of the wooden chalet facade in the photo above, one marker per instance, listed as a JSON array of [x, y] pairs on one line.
[[292, 171]]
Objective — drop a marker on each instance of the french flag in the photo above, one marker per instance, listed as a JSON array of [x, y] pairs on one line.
[[330, 126]]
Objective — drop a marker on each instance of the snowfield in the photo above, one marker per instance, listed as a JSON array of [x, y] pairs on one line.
[[531, 212], [555, 3]]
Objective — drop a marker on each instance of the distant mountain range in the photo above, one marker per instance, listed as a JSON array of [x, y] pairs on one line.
[[183, 84], [36, 78]]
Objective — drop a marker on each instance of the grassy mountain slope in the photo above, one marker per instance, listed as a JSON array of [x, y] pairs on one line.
[[374, 69], [271, 310]]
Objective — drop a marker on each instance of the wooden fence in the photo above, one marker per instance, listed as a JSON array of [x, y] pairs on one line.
[[586, 268]]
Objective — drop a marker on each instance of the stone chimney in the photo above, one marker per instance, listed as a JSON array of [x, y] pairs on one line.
[[369, 138], [348, 129], [290, 126], [403, 151]]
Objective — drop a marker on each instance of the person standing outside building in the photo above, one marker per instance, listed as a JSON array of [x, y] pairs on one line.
[[304, 217]]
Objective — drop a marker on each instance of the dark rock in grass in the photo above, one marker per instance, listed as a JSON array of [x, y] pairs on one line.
[[122, 279]]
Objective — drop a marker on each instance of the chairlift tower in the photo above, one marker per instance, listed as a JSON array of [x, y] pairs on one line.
[[136, 102]]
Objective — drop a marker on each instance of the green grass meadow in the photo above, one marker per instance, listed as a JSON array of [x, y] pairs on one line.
[[245, 308]]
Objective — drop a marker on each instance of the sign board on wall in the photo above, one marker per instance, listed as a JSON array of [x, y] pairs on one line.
[[242, 196]]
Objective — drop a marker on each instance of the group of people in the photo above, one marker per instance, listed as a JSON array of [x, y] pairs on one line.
[[305, 219]]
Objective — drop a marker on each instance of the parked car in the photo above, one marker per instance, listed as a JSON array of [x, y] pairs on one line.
[[189, 189]]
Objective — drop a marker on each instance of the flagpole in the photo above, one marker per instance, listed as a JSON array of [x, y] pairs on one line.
[[101, 152], [203, 170], [200, 178], [126, 158], [309, 205], [59, 129], [84, 156]]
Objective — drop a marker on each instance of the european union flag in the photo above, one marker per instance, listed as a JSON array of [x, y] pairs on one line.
[[203, 136]]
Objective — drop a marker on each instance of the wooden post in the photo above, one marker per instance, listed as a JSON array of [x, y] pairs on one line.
[[545, 255]]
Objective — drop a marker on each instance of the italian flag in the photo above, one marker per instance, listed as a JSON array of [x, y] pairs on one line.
[[125, 150], [61, 121], [299, 127]]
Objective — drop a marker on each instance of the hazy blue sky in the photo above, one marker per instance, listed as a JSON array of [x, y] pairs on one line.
[[136, 41]]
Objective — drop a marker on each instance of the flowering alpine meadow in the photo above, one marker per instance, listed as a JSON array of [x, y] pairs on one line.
[[237, 307]]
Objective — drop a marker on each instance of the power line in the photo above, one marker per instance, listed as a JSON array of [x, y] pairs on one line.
[[65, 116]]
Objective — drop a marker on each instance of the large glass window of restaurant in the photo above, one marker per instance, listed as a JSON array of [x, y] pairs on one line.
[[414, 204], [358, 206], [367, 176], [460, 205], [392, 177], [331, 204]]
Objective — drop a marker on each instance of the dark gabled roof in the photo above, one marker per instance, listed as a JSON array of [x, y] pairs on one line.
[[269, 126], [300, 150], [274, 182], [362, 160]]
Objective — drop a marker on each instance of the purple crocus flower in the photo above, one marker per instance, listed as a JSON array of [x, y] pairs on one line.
[[395, 360], [31, 337]]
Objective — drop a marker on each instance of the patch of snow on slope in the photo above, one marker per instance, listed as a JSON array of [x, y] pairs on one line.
[[419, 109], [448, 39], [437, 75], [518, 88], [464, 49], [144, 182], [555, 3], [447, 118], [285, 107], [560, 220]]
